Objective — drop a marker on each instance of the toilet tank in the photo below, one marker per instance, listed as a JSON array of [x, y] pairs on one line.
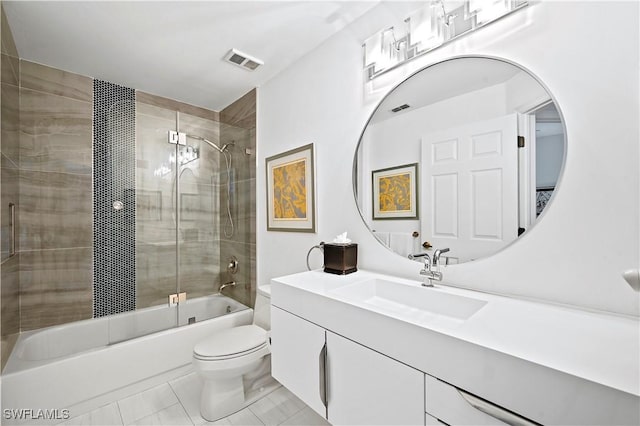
[[262, 310]]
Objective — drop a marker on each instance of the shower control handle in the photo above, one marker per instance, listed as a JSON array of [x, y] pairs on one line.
[[232, 266]]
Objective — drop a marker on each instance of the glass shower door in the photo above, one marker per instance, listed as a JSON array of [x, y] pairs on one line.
[[199, 215], [156, 248]]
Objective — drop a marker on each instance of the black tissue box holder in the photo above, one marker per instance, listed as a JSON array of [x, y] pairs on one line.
[[341, 259]]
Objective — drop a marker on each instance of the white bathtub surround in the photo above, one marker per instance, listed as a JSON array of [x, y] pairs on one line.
[[39, 347], [549, 363], [75, 380]]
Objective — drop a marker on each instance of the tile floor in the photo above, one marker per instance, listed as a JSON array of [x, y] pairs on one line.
[[177, 403]]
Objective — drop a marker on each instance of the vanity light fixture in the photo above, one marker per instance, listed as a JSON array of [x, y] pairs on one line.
[[430, 27]]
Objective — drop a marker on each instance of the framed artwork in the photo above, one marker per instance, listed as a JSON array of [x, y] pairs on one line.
[[395, 192], [290, 191]]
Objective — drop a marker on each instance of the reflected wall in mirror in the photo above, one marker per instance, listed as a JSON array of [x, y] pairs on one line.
[[490, 144]]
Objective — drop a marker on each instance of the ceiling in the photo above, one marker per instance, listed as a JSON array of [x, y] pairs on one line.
[[176, 48]]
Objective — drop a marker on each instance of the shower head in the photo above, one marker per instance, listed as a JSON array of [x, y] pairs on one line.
[[226, 145], [211, 144]]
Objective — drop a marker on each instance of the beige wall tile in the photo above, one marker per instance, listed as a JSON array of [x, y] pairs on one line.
[[9, 149], [242, 139], [10, 123], [155, 272], [243, 211], [174, 105], [10, 302], [244, 279], [8, 194], [241, 113], [56, 133], [55, 210], [55, 81], [199, 271], [55, 287], [155, 111], [238, 126], [10, 70]]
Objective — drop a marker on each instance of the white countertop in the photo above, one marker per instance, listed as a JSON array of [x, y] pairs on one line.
[[597, 347]]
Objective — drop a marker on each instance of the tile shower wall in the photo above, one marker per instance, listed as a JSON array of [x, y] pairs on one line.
[[238, 125], [55, 206], [9, 163], [46, 153]]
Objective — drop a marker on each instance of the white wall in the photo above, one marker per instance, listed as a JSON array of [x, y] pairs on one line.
[[586, 53]]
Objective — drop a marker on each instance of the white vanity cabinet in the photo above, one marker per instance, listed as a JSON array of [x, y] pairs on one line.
[[296, 357], [358, 385], [381, 353]]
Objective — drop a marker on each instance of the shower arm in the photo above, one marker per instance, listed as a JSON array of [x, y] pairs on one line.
[[208, 142]]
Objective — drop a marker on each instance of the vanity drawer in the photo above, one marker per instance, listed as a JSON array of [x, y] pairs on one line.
[[429, 420], [453, 406]]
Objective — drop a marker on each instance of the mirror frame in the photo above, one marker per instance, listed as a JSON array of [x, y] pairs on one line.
[[354, 172]]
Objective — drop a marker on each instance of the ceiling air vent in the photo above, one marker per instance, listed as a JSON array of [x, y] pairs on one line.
[[243, 60], [400, 108]]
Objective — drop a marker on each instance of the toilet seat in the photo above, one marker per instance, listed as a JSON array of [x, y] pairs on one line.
[[231, 343]]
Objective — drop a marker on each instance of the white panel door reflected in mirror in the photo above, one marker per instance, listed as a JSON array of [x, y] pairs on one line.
[[489, 144]]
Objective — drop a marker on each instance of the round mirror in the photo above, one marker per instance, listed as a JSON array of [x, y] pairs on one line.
[[464, 154]]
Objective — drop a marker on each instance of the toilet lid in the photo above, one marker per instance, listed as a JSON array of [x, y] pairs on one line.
[[232, 341]]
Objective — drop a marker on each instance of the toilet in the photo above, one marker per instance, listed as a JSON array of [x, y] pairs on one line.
[[225, 358]]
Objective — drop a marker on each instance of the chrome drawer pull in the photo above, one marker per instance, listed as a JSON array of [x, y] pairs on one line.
[[323, 375], [494, 411]]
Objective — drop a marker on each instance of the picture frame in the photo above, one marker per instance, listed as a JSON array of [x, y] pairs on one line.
[[395, 192], [291, 191]]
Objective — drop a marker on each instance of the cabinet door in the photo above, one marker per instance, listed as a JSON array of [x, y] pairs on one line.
[[365, 387], [296, 357]]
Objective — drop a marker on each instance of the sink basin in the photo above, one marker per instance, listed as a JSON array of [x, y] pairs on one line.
[[409, 300]]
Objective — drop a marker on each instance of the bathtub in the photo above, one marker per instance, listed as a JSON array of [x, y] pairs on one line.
[[62, 366]]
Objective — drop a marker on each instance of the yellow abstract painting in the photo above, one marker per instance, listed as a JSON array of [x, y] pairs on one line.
[[395, 193], [290, 191]]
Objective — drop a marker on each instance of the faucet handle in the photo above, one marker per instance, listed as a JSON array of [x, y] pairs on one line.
[[426, 259], [415, 256], [418, 255]]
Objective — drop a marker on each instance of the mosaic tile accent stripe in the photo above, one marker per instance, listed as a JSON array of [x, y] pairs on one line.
[[114, 231]]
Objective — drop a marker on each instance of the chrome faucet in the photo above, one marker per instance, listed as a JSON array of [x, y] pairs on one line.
[[426, 271], [225, 285], [431, 271]]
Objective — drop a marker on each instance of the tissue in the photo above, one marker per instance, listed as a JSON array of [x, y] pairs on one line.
[[340, 255], [341, 239]]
